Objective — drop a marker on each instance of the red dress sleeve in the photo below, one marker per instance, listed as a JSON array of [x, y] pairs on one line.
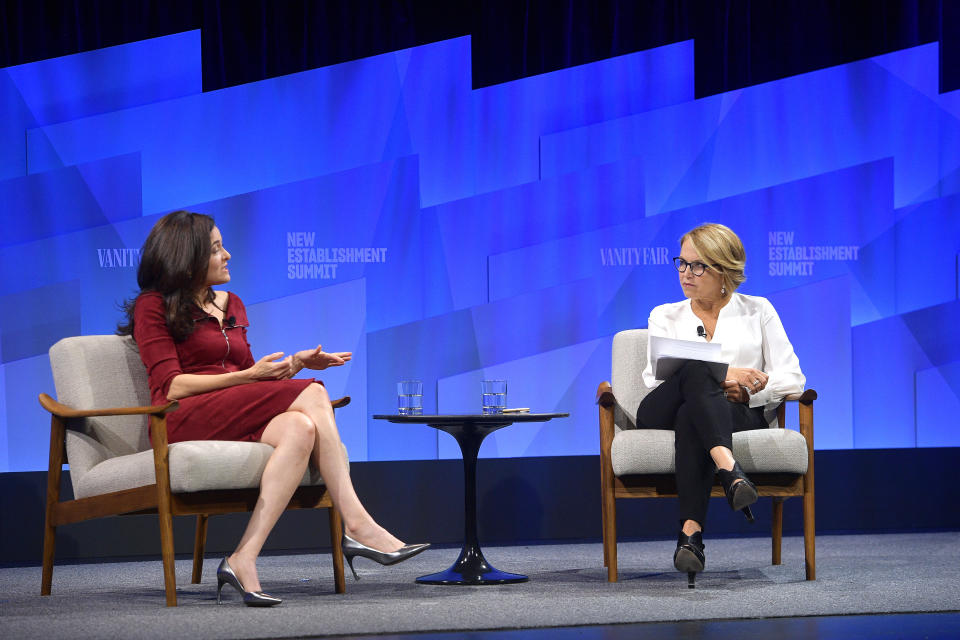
[[157, 348]]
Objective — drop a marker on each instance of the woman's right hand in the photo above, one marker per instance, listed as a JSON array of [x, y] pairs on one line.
[[734, 392], [271, 367]]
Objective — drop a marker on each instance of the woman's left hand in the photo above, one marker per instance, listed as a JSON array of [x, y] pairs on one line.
[[319, 359]]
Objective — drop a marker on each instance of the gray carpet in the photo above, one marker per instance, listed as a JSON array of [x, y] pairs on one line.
[[856, 574]]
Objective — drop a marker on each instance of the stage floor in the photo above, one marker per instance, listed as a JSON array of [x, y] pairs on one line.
[[856, 575]]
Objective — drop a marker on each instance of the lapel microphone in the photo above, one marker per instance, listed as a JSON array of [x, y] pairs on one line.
[[701, 332]]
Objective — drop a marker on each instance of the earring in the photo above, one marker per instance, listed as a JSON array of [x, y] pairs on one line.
[[723, 291]]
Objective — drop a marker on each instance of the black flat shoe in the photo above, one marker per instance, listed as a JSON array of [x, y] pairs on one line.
[[351, 548], [741, 494], [689, 556]]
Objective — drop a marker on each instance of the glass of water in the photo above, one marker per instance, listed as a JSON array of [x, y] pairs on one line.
[[493, 395], [410, 398]]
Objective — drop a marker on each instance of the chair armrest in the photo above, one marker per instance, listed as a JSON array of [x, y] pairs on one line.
[[606, 402], [63, 411], [806, 415], [605, 395], [340, 402], [807, 397]]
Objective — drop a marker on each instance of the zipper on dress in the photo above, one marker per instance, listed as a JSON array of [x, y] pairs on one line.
[[223, 363]]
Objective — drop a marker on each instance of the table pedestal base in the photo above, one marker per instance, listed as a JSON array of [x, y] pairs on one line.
[[469, 431], [472, 568]]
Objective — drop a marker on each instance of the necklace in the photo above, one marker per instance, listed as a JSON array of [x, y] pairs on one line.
[[203, 306]]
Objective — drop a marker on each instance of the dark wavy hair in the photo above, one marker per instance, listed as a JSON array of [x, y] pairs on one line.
[[174, 262]]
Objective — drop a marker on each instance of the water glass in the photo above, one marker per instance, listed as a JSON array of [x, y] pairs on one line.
[[410, 398], [493, 395]]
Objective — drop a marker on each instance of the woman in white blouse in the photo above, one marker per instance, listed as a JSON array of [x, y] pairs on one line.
[[705, 411]]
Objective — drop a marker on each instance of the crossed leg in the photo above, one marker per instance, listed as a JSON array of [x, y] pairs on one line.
[[305, 433], [327, 457], [693, 402]]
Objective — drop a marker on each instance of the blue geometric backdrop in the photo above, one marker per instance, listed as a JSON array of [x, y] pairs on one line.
[[449, 234]]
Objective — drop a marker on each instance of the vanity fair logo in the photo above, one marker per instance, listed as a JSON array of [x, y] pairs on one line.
[[118, 258], [633, 256], [306, 261], [786, 259]]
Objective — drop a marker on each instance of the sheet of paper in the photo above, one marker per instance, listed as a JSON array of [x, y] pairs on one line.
[[669, 354]]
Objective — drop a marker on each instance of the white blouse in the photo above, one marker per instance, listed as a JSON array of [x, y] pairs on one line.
[[750, 334]]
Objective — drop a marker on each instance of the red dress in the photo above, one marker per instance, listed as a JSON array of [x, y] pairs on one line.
[[234, 413]]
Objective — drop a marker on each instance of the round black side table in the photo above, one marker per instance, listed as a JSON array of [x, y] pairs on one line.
[[469, 431]]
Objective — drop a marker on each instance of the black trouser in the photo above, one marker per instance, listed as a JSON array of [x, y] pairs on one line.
[[691, 402]]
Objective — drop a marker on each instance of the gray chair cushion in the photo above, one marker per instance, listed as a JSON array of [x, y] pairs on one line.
[[640, 451], [113, 453], [197, 465], [626, 381], [100, 372]]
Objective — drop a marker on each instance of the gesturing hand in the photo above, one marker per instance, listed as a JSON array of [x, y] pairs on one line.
[[271, 367], [319, 359]]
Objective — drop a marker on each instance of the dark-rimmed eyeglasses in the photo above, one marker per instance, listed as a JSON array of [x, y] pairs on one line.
[[696, 268]]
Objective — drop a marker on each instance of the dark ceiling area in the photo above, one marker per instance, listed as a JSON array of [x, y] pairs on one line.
[[738, 43]]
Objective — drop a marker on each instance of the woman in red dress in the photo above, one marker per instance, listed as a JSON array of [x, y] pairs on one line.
[[193, 342]]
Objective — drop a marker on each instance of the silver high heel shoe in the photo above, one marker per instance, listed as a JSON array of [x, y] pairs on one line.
[[225, 575], [351, 548]]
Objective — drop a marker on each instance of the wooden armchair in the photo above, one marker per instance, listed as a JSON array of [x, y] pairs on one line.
[[115, 470], [639, 463]]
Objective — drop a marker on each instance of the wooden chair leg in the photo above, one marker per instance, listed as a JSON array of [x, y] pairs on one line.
[[603, 525], [809, 520], [166, 551], [606, 552], [49, 549], [161, 466], [809, 533], [336, 537], [54, 471], [610, 534], [777, 530], [199, 544]]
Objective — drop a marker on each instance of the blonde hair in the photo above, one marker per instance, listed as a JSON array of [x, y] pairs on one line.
[[719, 246]]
